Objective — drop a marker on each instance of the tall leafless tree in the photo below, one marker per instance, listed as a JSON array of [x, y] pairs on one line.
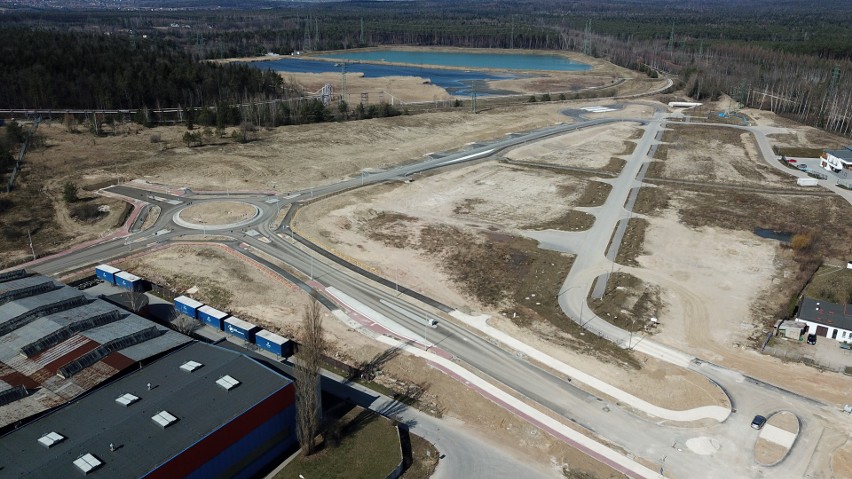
[[307, 374]]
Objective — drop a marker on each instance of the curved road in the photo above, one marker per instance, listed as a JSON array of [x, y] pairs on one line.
[[639, 436]]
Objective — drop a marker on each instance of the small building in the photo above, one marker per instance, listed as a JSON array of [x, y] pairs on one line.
[[826, 319], [107, 273], [792, 329], [187, 306], [130, 281], [241, 329], [837, 160], [212, 316]]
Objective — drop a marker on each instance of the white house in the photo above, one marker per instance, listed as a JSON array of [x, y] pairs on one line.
[[837, 160], [829, 320]]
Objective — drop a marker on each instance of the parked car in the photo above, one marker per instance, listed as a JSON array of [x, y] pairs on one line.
[[758, 422], [802, 166], [812, 339]]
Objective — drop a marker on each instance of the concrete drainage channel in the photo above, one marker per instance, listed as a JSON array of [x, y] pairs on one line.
[[213, 210]]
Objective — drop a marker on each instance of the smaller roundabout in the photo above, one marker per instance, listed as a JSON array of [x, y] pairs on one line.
[[216, 215]]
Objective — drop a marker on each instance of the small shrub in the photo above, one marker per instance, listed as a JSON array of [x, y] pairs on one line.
[[801, 242], [87, 212], [532, 99], [69, 192], [155, 138]]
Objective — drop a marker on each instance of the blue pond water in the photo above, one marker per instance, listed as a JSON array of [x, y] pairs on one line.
[[502, 61], [782, 236], [456, 82]]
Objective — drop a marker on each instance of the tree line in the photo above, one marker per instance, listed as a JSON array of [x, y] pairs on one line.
[[791, 57], [49, 69]]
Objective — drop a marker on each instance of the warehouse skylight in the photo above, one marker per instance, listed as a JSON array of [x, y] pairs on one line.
[[51, 438], [126, 399], [228, 382], [164, 419], [87, 463], [191, 366]]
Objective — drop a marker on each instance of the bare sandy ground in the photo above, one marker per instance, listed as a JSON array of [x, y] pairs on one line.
[[479, 197], [391, 90], [588, 148], [841, 461], [710, 279], [722, 155], [506, 198], [285, 158], [218, 212]]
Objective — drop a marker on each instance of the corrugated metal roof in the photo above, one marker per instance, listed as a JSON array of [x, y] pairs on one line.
[[195, 400], [22, 283], [57, 339]]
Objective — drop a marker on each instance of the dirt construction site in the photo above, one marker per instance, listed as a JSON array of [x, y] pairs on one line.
[[457, 235]]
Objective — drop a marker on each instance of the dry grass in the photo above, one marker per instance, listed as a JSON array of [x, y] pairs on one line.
[[627, 302], [632, 243], [832, 284], [651, 201], [570, 221], [595, 194]]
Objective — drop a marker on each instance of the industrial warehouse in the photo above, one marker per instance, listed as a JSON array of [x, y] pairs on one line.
[[201, 411], [57, 342], [89, 388]]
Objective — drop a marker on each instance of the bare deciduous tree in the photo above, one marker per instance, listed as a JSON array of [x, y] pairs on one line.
[[307, 374], [184, 324]]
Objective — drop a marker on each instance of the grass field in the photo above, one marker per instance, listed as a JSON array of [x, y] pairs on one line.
[[831, 283], [368, 448]]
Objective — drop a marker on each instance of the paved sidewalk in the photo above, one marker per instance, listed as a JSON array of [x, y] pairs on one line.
[[717, 413]]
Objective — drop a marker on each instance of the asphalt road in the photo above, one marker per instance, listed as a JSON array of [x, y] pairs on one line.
[[638, 435]]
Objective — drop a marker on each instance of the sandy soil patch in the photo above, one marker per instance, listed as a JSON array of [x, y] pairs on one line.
[[715, 154], [482, 197], [841, 461], [695, 269], [710, 279], [768, 453], [151, 218], [784, 420], [587, 148], [391, 89], [218, 212]]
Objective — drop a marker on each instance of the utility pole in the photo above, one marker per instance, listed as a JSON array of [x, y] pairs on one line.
[[473, 98], [671, 42]]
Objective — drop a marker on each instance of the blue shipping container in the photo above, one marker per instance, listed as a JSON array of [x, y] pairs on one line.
[[106, 273], [241, 329], [212, 316], [129, 281], [273, 343], [187, 306]]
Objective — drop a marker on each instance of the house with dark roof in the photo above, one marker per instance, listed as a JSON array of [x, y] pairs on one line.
[[826, 319], [201, 411]]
